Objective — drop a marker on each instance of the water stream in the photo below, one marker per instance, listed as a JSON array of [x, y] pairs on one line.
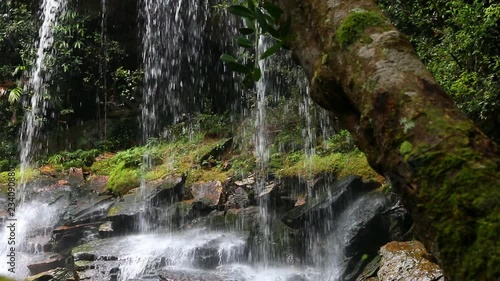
[[38, 79]]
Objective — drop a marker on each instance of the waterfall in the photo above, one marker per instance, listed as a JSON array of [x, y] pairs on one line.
[[39, 77], [262, 152], [172, 43]]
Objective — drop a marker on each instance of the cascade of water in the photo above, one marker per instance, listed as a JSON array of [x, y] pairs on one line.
[[172, 40], [39, 77], [103, 64], [262, 151]]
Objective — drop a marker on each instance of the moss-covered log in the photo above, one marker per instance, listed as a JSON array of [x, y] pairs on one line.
[[368, 73]]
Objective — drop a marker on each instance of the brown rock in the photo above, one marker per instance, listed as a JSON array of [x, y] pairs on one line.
[[407, 261], [206, 195], [46, 265]]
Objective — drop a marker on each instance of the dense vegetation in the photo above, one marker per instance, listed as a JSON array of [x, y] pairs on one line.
[[457, 40]]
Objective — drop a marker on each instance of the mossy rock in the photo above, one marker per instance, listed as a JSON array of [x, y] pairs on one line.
[[123, 178]]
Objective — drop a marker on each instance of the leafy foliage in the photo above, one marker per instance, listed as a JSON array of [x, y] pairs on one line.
[[261, 19], [458, 41]]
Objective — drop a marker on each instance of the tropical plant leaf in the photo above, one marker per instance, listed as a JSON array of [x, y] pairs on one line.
[[246, 30], [244, 42], [273, 10], [227, 58], [257, 74], [241, 11], [261, 19], [15, 94], [238, 67], [272, 50]]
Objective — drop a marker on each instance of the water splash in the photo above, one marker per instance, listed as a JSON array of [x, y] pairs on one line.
[[34, 225], [39, 78]]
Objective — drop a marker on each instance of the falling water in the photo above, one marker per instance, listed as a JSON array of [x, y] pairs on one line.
[[35, 221], [262, 152], [172, 43], [103, 65], [39, 78]]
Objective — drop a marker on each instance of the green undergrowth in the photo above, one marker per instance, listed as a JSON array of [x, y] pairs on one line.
[[181, 157], [338, 164], [30, 174]]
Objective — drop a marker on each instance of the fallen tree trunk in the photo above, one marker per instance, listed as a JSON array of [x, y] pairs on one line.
[[447, 170]]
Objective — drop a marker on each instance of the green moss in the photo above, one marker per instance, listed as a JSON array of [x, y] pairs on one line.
[[29, 174], [355, 24], [113, 211], [123, 178], [339, 164], [460, 195], [103, 167], [324, 58], [231, 218], [405, 148]]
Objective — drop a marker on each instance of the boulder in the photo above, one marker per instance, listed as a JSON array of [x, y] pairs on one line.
[[106, 229], [238, 200], [165, 191], [52, 262], [55, 274], [92, 208], [67, 237], [407, 261], [206, 195], [332, 201]]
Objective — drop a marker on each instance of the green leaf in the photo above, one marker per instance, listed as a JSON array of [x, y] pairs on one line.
[[241, 11], [261, 19], [248, 81], [246, 31], [238, 67], [251, 5], [15, 94], [244, 42], [272, 50], [273, 10], [274, 33], [257, 74], [227, 58]]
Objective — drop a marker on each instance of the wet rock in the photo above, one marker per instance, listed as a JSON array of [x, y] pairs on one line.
[[167, 190], [360, 231], [269, 190], [246, 219], [238, 200], [53, 275], [67, 237], [370, 270], [106, 229], [194, 275], [52, 262], [93, 208], [407, 261], [246, 183], [206, 195], [332, 201], [98, 183]]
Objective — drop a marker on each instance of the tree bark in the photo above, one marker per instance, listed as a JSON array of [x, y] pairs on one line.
[[447, 171]]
